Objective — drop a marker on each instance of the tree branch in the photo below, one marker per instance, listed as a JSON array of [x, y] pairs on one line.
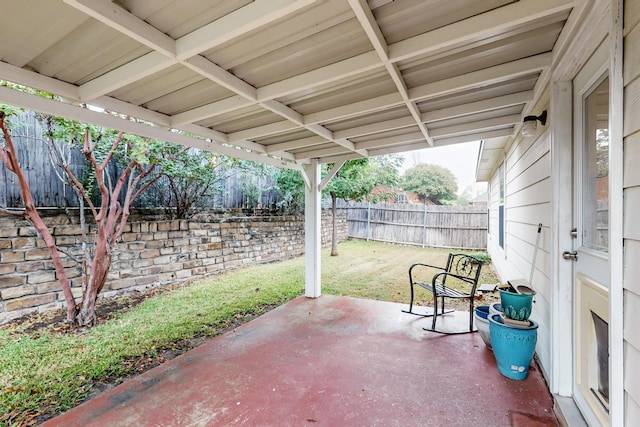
[[112, 150], [89, 154], [70, 255], [13, 213], [7, 154]]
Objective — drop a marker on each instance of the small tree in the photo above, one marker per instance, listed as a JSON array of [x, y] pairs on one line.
[[290, 185], [431, 182], [100, 147], [355, 181], [191, 179]]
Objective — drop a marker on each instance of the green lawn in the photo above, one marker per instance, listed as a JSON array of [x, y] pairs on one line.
[[46, 371]]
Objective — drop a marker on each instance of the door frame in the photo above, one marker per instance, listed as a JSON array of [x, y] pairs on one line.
[[584, 42]]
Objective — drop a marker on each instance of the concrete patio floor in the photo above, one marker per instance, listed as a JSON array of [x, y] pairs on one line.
[[330, 361]]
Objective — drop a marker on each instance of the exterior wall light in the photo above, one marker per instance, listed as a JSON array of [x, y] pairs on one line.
[[529, 124]]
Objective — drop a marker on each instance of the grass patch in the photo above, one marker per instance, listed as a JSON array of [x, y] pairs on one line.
[[45, 371]]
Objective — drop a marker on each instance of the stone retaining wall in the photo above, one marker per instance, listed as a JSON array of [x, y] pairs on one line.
[[150, 253]]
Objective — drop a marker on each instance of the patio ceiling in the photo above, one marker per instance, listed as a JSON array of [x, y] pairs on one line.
[[284, 81]]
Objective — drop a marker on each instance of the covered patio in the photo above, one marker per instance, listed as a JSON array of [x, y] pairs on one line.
[[327, 361], [302, 83]]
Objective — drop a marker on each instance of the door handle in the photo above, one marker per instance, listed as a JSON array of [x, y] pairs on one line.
[[570, 255]]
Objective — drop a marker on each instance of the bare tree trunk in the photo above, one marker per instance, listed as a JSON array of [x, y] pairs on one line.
[[334, 228], [10, 160], [98, 277]]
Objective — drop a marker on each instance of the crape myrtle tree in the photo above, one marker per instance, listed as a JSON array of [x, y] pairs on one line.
[[354, 181], [141, 159], [431, 182]]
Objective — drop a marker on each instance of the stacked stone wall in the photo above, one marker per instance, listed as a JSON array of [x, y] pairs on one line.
[[150, 253]]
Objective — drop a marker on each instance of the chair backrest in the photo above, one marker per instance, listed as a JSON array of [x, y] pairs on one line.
[[466, 266]]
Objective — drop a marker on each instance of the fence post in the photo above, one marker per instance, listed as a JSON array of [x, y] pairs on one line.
[[368, 221], [424, 227]]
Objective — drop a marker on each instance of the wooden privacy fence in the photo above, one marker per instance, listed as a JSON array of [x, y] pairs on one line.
[[460, 227], [50, 191]]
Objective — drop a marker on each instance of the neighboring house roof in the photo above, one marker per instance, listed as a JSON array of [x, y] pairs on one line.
[[480, 199]]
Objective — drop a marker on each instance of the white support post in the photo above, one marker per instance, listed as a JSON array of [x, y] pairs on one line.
[[312, 236]]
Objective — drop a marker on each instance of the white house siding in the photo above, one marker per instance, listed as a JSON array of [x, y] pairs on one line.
[[631, 73], [527, 203]]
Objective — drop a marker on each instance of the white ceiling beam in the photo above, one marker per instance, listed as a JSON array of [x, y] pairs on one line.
[[255, 15], [433, 41], [415, 112], [477, 126], [34, 80], [351, 146], [391, 140], [376, 127], [125, 108], [399, 149], [321, 152], [313, 78], [85, 115], [368, 61], [219, 75], [212, 71], [295, 144], [355, 109], [478, 106], [216, 136], [119, 19], [339, 158], [263, 131], [474, 79], [294, 116], [281, 154], [476, 136], [330, 73], [128, 73], [241, 21], [371, 28], [486, 76], [320, 130], [284, 111], [226, 105], [482, 26]]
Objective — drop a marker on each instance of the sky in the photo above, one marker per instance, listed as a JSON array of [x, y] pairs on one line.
[[460, 159]]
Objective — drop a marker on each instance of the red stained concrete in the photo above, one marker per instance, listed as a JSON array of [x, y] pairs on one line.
[[331, 361]]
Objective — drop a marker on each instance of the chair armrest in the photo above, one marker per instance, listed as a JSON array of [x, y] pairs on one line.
[[457, 276], [439, 286], [419, 264]]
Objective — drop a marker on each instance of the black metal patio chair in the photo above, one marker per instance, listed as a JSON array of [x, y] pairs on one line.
[[458, 279]]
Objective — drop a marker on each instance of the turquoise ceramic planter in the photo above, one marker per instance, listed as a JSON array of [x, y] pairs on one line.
[[512, 347], [516, 306]]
